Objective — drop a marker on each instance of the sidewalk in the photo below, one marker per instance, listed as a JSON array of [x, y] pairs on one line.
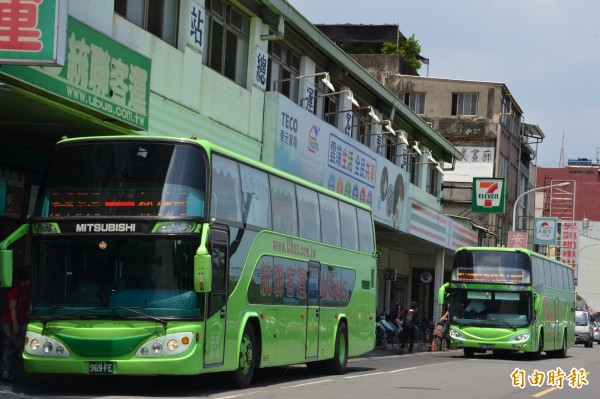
[[392, 350]]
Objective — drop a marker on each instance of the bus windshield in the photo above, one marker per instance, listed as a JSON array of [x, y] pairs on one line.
[[124, 178], [492, 267], [152, 275], [490, 308]]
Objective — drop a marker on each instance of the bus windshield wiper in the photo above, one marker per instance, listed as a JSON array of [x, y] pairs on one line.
[[46, 320], [134, 310], [508, 324]]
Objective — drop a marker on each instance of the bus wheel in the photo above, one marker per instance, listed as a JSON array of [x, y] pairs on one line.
[[242, 377], [562, 352], [538, 353], [337, 365], [469, 352]]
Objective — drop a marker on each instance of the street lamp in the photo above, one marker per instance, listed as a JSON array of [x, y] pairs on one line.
[[514, 223]]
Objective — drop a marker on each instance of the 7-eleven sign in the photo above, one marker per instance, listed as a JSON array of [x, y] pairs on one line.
[[488, 195]]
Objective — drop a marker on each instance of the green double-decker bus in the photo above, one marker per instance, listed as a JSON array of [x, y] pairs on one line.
[[509, 300], [162, 256]]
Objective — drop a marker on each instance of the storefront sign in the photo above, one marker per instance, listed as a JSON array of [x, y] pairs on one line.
[[33, 32], [545, 231], [100, 75], [488, 195], [517, 239]]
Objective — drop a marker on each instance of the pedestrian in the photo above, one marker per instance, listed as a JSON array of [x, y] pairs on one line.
[[408, 327], [15, 311], [398, 316], [441, 332]]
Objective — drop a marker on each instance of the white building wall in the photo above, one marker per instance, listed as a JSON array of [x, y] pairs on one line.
[[588, 278]]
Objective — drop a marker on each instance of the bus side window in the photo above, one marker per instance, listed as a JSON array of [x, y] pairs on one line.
[[225, 200], [309, 222], [348, 226], [283, 199], [330, 214], [256, 197]]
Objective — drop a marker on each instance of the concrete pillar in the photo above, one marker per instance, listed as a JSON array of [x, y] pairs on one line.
[[438, 281]]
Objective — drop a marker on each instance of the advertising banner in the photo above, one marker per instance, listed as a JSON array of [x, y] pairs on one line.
[[99, 74], [312, 149], [33, 32]]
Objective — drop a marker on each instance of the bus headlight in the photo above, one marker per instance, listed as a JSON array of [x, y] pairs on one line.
[[45, 228], [47, 347], [176, 227], [454, 334], [519, 338], [174, 344], [34, 344], [157, 347], [42, 345]]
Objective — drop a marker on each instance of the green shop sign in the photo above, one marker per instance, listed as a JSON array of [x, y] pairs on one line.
[[488, 195], [99, 75], [32, 32]]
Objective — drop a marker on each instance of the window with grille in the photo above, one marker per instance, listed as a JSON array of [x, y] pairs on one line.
[[226, 47], [159, 17], [415, 101], [284, 64], [464, 104]]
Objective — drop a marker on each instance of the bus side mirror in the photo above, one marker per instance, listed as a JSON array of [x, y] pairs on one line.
[[202, 273], [537, 302], [6, 267], [442, 294]]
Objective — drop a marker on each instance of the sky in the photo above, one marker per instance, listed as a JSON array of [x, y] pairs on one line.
[[547, 52]]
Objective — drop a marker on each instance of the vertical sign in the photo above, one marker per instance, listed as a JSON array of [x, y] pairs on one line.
[[260, 77], [33, 32], [545, 231], [195, 28], [568, 244], [488, 195]]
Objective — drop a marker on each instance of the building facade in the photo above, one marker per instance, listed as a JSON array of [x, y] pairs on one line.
[[482, 119], [575, 207], [256, 77]]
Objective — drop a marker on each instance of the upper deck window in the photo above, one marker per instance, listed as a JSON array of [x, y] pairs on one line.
[[492, 267], [124, 178]]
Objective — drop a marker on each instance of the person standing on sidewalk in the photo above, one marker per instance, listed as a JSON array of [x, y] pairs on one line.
[[409, 325], [15, 311]]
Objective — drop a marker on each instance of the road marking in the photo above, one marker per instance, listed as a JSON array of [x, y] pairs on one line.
[[305, 384], [393, 371]]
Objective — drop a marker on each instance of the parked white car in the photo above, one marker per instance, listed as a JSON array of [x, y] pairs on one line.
[[584, 329], [597, 331]]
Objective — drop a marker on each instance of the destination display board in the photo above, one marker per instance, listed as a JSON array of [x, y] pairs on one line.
[[143, 203], [506, 276]]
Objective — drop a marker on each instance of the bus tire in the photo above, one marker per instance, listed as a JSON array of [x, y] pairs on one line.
[[562, 352], [536, 355], [337, 365], [242, 377]]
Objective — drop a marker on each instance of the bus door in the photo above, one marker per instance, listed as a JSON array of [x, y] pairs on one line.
[[556, 330], [216, 306], [313, 310]]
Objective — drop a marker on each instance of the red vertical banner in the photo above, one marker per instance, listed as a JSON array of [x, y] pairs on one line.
[[569, 235]]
